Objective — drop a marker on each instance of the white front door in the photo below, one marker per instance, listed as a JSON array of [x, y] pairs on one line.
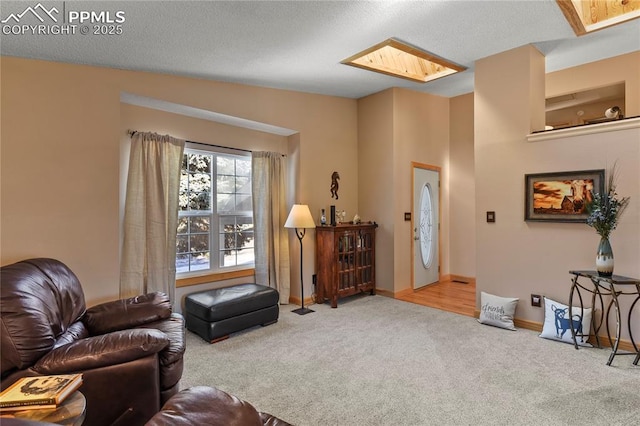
[[426, 224]]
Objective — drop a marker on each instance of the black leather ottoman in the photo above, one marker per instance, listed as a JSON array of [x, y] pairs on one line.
[[215, 314]]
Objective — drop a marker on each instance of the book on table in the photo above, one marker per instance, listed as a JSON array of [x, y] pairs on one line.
[[39, 392]]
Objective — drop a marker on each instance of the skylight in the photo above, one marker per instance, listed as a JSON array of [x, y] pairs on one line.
[[398, 59], [586, 16]]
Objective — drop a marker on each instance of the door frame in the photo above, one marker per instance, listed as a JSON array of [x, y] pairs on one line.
[[416, 165]]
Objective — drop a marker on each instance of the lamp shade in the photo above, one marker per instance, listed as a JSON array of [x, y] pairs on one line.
[[300, 217]]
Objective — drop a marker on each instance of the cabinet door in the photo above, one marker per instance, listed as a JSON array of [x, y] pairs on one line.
[[346, 260], [365, 257]]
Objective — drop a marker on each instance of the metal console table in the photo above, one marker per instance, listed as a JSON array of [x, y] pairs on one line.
[[613, 286]]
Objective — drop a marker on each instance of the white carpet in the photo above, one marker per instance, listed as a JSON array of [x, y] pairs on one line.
[[380, 361]]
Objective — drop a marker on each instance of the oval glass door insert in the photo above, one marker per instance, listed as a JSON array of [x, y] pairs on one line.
[[426, 226]]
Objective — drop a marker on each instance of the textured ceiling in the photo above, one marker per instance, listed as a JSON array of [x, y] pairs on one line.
[[298, 45]]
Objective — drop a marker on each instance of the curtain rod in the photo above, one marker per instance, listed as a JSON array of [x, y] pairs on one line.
[[133, 132], [219, 146]]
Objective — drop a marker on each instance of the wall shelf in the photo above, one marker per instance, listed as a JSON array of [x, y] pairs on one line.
[[587, 129]]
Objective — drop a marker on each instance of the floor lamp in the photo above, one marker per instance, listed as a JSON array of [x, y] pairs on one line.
[[300, 218]]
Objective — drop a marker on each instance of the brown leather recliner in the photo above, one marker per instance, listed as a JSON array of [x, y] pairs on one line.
[[129, 351], [196, 406], [203, 405]]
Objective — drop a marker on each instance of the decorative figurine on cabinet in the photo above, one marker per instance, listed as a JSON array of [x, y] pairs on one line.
[[335, 177]]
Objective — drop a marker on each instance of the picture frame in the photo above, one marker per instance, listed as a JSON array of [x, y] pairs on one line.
[[560, 196]]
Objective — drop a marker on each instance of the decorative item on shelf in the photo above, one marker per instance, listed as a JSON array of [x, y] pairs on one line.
[[300, 218], [342, 215], [356, 219], [613, 113], [333, 216], [323, 218], [335, 177], [604, 211]]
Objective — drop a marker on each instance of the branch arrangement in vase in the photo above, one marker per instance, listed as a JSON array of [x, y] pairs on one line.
[[604, 210]]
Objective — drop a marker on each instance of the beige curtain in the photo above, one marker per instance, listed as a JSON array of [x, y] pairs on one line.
[[271, 241], [151, 215]]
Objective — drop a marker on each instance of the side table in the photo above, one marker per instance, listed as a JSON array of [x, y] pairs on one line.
[[71, 412], [613, 286]]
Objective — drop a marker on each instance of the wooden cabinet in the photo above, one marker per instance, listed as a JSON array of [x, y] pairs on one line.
[[345, 261]]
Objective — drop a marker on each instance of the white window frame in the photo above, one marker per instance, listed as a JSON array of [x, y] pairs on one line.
[[215, 237]]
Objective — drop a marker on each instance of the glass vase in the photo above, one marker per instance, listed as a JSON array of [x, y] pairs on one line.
[[604, 258]]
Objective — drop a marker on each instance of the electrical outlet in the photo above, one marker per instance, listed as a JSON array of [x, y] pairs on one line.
[[536, 300]]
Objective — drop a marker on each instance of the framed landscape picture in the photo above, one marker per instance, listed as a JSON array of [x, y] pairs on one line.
[[562, 196]]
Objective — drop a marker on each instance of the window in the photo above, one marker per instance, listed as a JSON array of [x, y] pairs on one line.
[[215, 217]]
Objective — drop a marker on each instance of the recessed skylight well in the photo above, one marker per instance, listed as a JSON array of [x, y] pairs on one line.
[[586, 16], [398, 59]]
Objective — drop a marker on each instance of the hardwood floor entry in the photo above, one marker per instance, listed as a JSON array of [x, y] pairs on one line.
[[452, 296]]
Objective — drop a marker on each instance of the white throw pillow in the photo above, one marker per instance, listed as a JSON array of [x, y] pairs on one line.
[[557, 323], [497, 311]]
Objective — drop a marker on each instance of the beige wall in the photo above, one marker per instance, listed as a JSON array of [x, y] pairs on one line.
[[62, 131], [377, 190], [421, 134], [462, 246], [516, 258], [60, 169], [395, 128]]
